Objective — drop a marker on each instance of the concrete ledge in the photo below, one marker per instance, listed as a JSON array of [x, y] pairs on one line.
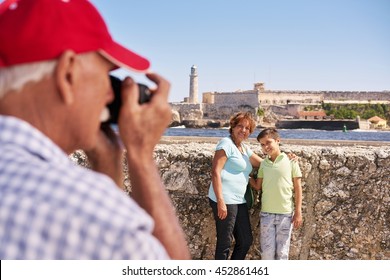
[[346, 196]]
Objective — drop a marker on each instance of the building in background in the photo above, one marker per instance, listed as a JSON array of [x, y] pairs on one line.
[[217, 107], [378, 122]]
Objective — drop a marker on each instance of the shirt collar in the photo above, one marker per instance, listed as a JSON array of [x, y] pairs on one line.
[[17, 132], [278, 158]]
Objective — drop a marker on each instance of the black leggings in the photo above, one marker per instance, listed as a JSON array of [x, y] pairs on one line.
[[237, 225]]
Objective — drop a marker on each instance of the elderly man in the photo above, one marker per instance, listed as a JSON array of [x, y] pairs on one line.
[[55, 59]]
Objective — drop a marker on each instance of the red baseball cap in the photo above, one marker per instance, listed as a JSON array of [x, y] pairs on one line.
[[38, 30]]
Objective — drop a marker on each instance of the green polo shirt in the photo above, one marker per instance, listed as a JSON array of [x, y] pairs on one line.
[[278, 185]]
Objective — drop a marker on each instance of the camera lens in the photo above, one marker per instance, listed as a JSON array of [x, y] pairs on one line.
[[113, 107]]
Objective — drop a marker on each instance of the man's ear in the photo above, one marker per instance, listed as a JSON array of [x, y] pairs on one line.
[[65, 76]]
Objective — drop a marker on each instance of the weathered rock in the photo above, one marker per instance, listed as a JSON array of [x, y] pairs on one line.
[[346, 199]]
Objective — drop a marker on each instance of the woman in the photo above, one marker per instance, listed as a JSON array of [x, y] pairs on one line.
[[232, 163]]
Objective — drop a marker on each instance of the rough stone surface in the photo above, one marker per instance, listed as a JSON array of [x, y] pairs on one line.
[[346, 199]]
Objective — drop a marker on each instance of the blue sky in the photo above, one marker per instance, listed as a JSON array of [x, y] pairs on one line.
[[288, 45]]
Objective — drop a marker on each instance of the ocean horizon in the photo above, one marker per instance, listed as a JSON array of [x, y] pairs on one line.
[[307, 134]]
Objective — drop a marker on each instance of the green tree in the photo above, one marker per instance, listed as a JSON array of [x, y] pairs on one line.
[[351, 111], [369, 114], [260, 112]]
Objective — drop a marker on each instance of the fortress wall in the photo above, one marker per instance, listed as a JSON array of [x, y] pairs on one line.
[[284, 97], [185, 106], [226, 104], [237, 98], [187, 111], [357, 95], [225, 111], [328, 95], [346, 199], [208, 97], [222, 105], [268, 97]]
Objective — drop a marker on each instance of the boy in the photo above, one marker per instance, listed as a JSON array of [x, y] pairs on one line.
[[277, 178]]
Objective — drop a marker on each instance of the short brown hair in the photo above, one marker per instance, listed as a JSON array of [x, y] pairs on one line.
[[238, 117], [269, 131]]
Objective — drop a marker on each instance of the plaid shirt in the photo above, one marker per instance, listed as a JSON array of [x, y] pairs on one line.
[[51, 208]]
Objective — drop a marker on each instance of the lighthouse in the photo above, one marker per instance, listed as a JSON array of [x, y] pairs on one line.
[[193, 85]]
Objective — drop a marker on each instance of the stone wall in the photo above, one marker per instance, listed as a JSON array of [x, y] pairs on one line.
[[186, 111], [225, 111], [357, 95], [237, 98], [346, 199], [270, 97], [222, 105]]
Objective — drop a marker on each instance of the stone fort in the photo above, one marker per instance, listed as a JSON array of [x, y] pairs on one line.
[[219, 106]]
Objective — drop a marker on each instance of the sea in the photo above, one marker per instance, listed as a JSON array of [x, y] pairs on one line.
[[309, 134]]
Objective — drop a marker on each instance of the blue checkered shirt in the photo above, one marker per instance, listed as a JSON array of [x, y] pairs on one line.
[[50, 208]]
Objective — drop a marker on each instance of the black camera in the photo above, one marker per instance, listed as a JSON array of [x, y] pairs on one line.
[[116, 83]]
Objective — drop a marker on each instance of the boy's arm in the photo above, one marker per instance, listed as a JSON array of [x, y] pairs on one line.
[[297, 218]]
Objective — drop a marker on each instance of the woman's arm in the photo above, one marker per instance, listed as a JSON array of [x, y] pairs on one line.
[[219, 161], [255, 160]]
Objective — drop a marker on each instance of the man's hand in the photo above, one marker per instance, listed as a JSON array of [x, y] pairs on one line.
[[142, 125], [107, 156]]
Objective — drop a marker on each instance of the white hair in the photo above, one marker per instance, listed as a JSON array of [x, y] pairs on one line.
[[15, 77]]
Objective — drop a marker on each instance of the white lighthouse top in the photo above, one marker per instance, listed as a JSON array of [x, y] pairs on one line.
[[194, 71]]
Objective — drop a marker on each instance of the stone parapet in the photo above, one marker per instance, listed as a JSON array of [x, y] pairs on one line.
[[346, 198]]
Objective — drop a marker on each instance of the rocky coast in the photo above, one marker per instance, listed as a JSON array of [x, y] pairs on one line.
[[346, 196]]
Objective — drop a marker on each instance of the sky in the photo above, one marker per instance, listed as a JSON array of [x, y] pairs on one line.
[[288, 45]]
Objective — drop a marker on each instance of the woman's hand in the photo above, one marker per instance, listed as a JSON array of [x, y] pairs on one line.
[[252, 182], [293, 157], [222, 209]]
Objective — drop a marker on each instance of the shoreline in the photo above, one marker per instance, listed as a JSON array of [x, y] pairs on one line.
[[303, 142]]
